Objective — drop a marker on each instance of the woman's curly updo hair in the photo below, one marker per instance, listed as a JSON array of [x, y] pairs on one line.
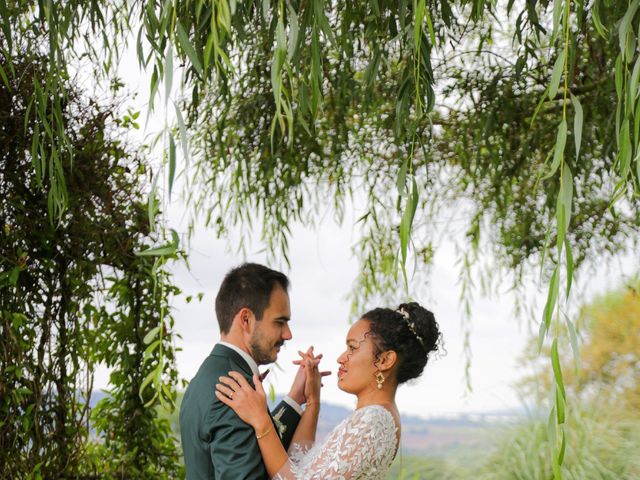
[[411, 331]]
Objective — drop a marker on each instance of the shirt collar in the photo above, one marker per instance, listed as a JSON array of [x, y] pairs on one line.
[[247, 358]]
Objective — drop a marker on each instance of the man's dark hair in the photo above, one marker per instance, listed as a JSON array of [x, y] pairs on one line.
[[249, 285]]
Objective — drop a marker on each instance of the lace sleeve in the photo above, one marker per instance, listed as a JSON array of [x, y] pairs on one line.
[[363, 446]]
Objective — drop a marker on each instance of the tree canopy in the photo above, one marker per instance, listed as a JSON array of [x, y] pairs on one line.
[[519, 116]]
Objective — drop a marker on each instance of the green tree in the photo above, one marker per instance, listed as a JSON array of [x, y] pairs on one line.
[[609, 352], [74, 293]]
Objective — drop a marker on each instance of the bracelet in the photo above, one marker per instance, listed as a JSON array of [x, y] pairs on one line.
[[259, 436]]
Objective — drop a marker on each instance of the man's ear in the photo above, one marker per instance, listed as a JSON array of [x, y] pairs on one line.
[[244, 316]]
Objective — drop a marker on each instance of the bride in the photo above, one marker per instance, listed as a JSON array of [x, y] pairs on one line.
[[384, 349]]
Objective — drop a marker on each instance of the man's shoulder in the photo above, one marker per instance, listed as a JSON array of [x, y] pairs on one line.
[[210, 370], [199, 402], [219, 362]]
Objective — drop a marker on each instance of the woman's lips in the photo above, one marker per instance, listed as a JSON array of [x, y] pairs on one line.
[[341, 372]]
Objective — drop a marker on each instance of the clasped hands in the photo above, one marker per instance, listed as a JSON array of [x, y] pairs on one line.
[[251, 404]]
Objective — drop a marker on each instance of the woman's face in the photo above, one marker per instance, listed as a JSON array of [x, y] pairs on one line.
[[357, 370]]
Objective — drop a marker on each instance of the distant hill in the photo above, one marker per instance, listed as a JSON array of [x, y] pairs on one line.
[[436, 436]]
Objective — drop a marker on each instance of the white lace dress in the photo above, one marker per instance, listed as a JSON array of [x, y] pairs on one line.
[[362, 446]]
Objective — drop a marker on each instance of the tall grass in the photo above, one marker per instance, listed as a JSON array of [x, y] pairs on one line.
[[602, 443]]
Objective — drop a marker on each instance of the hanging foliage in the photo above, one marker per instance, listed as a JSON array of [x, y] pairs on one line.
[[74, 294], [519, 116]]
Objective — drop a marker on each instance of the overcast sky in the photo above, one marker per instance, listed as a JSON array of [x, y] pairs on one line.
[[322, 272]]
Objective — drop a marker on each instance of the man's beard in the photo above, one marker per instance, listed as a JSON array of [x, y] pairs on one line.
[[261, 351]]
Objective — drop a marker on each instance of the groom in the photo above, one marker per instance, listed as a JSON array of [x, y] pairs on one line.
[[253, 312]]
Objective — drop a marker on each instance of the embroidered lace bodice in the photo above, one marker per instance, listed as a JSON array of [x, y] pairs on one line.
[[362, 446]]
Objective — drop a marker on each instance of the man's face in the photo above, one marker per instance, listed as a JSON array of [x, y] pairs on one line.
[[272, 331]]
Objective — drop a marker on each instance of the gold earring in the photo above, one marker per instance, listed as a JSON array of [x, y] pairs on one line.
[[380, 379]]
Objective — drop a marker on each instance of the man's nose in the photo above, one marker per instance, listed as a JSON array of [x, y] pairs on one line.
[[287, 333]]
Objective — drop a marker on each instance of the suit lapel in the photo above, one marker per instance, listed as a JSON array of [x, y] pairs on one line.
[[224, 351]]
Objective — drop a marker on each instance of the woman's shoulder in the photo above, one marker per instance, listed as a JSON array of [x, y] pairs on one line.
[[377, 416]]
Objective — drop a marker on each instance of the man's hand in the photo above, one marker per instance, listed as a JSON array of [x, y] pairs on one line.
[[298, 387]]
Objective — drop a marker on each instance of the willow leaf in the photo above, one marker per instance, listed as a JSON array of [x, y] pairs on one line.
[[151, 377], [152, 204], [619, 77], [168, 73], [597, 21], [557, 373], [556, 74], [407, 220], [552, 296], [573, 338], [561, 222], [624, 150], [146, 356], [169, 248], [632, 87], [625, 25], [186, 45], [557, 14], [5, 79], [542, 333], [560, 407], [558, 152], [184, 141], [578, 121], [570, 266], [172, 162], [417, 24], [402, 177], [567, 191], [294, 30], [562, 450], [552, 428]]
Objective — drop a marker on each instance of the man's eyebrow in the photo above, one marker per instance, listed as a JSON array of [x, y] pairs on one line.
[[283, 318]]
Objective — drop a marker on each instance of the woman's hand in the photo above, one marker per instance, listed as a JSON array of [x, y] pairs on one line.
[[313, 381], [298, 389], [249, 404]]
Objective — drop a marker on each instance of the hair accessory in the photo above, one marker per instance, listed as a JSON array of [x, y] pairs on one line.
[[410, 324]]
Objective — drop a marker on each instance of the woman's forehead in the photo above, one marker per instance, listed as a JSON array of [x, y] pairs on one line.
[[357, 330]]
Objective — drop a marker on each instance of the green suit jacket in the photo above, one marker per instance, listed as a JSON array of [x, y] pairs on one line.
[[215, 442]]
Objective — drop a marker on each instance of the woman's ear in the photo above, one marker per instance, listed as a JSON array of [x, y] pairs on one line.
[[387, 360]]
